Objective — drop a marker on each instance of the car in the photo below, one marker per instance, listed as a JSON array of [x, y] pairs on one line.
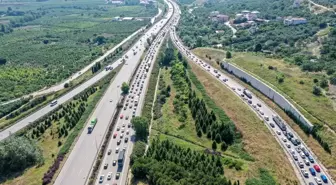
[[121, 136], [127, 132], [311, 159], [118, 175], [126, 139], [284, 139], [233, 88], [130, 106], [118, 142], [306, 161], [124, 148], [109, 152], [111, 100], [302, 155], [129, 125], [266, 118], [101, 179], [324, 178], [105, 165], [312, 171], [262, 113], [317, 168], [249, 101], [272, 125], [292, 151], [300, 164], [278, 132], [109, 176], [259, 105], [115, 135], [288, 146], [305, 173], [125, 107], [123, 125], [295, 157], [122, 130], [118, 128], [117, 150], [121, 116], [318, 180], [298, 149], [127, 117], [114, 162]]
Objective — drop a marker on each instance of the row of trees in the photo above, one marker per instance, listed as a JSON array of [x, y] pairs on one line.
[[8, 108], [96, 67], [27, 107], [169, 164], [207, 123]]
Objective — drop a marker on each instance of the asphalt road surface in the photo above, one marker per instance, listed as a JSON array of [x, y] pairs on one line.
[[79, 163], [294, 152], [110, 171]]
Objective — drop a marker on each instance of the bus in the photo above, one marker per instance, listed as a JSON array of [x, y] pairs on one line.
[[121, 158], [53, 103], [92, 125]]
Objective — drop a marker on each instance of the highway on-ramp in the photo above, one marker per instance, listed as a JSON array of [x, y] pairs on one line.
[[78, 165], [301, 157]]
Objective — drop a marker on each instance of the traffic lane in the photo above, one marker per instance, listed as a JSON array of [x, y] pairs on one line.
[[121, 123], [261, 113]]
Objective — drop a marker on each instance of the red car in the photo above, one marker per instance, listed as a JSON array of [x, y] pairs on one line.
[[317, 168], [121, 116], [115, 135]]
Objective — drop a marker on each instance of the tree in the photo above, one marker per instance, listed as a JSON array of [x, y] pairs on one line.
[[99, 40], [317, 91], [324, 83], [66, 85], [224, 146], [167, 57], [257, 47], [228, 54], [214, 145], [2, 61], [124, 88], [141, 127], [333, 79]]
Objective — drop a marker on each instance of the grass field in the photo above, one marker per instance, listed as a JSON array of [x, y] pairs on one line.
[[329, 160], [59, 41], [257, 140]]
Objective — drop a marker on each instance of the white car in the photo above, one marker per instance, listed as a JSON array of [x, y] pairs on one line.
[[317, 180], [288, 146], [278, 132], [284, 139], [117, 150], [109, 176]]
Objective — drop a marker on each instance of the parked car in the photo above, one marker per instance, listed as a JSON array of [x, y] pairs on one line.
[[324, 178], [317, 168], [312, 171]]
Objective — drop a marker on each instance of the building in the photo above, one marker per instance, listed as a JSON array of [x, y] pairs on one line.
[[222, 18], [294, 21], [117, 2], [214, 13], [116, 19], [127, 18]]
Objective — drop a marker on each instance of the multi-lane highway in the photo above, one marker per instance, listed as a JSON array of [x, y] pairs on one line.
[[113, 171], [33, 117], [306, 165], [79, 163]]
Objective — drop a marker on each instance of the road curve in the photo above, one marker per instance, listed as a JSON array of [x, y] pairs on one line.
[[266, 114]]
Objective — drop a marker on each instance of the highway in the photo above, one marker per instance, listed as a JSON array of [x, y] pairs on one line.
[[81, 159], [123, 129], [294, 152], [31, 118]]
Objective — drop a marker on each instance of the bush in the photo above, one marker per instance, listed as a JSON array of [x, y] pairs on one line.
[[138, 151], [317, 91]]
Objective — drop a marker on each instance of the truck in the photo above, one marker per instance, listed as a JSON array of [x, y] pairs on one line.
[[279, 122], [121, 158], [248, 93], [136, 100], [92, 125]]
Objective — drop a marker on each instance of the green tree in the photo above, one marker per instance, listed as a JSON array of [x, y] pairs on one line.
[[317, 91], [124, 88], [214, 145], [141, 127], [257, 48], [324, 83], [228, 54]]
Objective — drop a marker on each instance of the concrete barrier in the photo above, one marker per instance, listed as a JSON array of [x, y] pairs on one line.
[[267, 91]]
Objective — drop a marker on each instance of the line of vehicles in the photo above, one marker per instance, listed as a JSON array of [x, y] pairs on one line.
[[305, 162]]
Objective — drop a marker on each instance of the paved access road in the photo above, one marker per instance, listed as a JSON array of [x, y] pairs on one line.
[[110, 171], [294, 152], [79, 163]]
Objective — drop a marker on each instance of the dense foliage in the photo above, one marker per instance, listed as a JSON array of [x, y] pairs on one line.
[[141, 125], [162, 94], [58, 41], [8, 108], [221, 131], [26, 107], [18, 153], [169, 164], [138, 151]]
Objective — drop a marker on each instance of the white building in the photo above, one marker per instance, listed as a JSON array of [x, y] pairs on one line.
[[294, 20]]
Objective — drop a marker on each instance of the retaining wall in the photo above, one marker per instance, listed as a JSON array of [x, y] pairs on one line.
[[267, 91]]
